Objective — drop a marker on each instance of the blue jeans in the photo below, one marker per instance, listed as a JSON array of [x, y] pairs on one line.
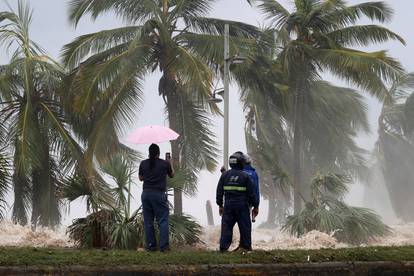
[[155, 205], [236, 212]]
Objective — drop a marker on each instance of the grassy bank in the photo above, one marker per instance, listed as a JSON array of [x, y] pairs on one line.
[[63, 257]]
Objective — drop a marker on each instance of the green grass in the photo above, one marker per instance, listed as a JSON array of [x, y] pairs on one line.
[[10, 256]]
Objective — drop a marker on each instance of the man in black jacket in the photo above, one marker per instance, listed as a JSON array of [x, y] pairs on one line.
[[238, 191]]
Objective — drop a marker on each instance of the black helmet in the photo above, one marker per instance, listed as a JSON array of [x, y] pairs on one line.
[[237, 161]]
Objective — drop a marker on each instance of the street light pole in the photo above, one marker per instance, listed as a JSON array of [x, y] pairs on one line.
[[226, 96]]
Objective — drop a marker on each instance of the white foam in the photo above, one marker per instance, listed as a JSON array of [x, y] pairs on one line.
[[264, 239], [22, 236]]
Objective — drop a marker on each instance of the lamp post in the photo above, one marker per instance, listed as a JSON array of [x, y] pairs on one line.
[[226, 96], [225, 92]]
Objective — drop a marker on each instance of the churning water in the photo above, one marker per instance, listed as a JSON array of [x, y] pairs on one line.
[[16, 235]]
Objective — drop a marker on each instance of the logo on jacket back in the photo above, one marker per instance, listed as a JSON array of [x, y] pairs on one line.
[[234, 179]]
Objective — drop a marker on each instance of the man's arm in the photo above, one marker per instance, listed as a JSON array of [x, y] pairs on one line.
[[257, 186], [141, 173], [251, 192], [220, 194], [252, 198], [170, 170]]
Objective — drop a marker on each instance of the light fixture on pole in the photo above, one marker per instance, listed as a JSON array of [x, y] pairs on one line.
[[236, 59], [220, 92], [214, 99]]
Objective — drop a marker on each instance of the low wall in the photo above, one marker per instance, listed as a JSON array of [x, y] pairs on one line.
[[317, 269]]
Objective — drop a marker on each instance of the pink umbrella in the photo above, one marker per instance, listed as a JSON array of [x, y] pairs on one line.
[[152, 134]]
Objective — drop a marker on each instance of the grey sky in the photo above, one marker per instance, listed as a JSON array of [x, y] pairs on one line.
[[50, 28]]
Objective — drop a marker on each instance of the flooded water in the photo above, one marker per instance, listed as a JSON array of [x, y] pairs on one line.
[[265, 239]]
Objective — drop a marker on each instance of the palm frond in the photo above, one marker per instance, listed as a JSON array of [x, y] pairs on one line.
[[275, 11], [191, 8], [332, 184], [94, 189], [351, 65], [185, 180], [76, 51], [193, 74], [363, 35], [184, 230], [348, 15], [331, 215], [213, 26], [16, 31], [130, 10], [197, 146], [120, 170]]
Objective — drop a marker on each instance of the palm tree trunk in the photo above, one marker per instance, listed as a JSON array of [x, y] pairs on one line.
[[21, 197], [178, 193], [173, 109], [271, 215], [22, 193], [297, 150]]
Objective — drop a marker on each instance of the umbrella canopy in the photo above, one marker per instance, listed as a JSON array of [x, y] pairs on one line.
[[152, 134]]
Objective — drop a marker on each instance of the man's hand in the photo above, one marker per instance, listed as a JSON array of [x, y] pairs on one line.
[[255, 212], [221, 210], [223, 169]]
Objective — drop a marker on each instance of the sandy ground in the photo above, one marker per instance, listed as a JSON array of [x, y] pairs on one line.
[[265, 239]]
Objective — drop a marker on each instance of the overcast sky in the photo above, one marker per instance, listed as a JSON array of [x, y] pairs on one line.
[[51, 29]]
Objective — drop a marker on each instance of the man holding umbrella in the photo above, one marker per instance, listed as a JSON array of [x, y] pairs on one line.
[[154, 171]]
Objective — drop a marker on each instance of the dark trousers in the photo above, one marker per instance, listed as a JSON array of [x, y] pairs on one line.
[[155, 205], [236, 212]]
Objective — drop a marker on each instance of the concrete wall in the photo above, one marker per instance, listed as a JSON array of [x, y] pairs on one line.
[[311, 269]]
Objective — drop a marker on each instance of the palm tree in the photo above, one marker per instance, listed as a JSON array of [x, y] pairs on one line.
[[327, 212], [334, 116], [318, 37], [35, 126], [265, 97], [395, 147], [172, 36]]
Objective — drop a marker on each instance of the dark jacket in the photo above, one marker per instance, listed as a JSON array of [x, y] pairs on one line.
[[236, 185], [255, 178], [155, 179]]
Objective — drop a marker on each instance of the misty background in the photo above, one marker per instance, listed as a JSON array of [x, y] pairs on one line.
[[50, 29]]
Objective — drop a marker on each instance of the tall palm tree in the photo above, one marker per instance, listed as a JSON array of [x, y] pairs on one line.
[[265, 98], [334, 116], [395, 146], [35, 126], [318, 36], [170, 35]]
